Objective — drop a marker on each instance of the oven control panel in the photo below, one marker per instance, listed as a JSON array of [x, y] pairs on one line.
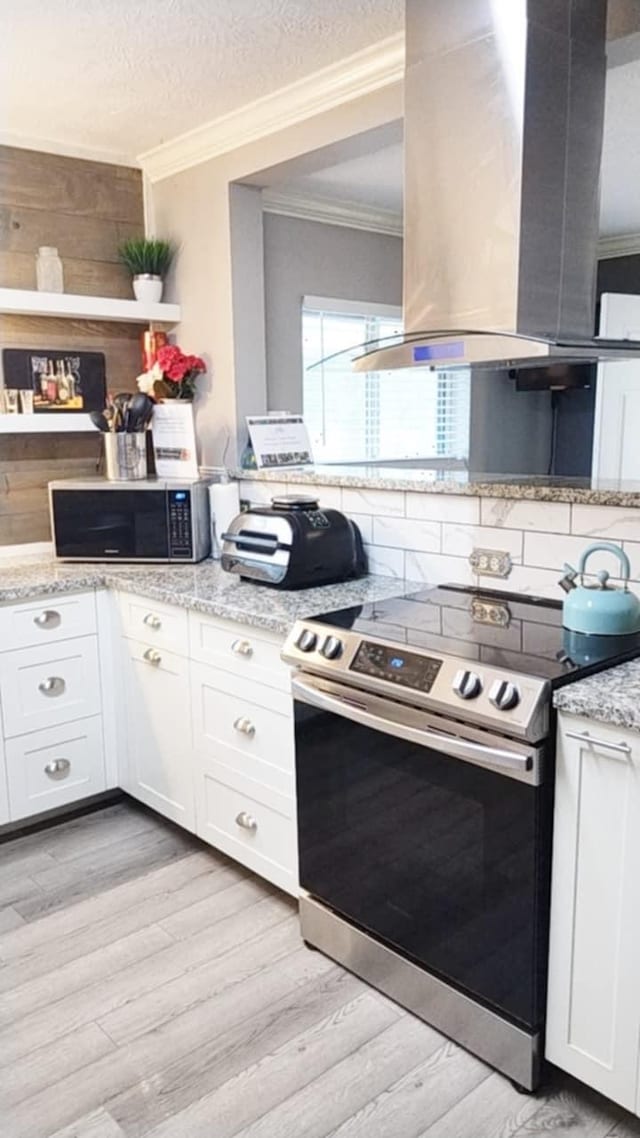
[[466, 690], [408, 669]]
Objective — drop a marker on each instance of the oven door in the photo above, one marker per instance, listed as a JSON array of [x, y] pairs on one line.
[[431, 836], [109, 525]]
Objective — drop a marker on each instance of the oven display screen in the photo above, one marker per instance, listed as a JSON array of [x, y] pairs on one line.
[[408, 669]]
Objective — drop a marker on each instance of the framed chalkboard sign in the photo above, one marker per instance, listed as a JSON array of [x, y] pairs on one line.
[[68, 380]]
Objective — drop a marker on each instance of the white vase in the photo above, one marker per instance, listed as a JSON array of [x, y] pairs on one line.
[[148, 288]]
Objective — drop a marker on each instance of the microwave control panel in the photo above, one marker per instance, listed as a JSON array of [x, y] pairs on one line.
[[180, 528]]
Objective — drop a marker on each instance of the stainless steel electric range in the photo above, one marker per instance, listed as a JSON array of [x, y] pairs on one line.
[[424, 763]]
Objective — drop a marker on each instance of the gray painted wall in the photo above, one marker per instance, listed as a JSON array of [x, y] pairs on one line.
[[309, 258]]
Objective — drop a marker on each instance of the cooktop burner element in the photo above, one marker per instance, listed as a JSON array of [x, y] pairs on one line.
[[481, 656]]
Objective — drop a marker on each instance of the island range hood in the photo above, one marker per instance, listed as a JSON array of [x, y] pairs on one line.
[[504, 110]]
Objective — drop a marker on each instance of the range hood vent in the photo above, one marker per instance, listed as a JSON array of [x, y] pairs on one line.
[[504, 110]]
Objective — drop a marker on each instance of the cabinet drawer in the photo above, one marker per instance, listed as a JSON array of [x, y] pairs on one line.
[[42, 687], [46, 620], [53, 767], [244, 651], [160, 625], [251, 824], [247, 736]]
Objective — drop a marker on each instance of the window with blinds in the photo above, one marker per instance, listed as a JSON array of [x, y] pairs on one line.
[[375, 416]]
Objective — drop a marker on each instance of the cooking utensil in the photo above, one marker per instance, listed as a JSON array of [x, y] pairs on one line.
[[139, 412], [601, 609], [99, 420]]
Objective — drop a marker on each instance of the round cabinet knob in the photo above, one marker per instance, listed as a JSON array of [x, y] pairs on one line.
[[332, 648], [57, 769], [152, 657], [504, 695], [307, 640], [245, 726], [152, 621], [467, 685], [242, 648]]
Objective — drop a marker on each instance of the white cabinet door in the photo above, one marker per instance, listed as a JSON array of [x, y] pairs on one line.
[[51, 768], [594, 962], [159, 768], [617, 416], [4, 794]]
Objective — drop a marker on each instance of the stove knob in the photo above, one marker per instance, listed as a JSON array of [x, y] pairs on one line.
[[332, 648], [467, 685], [307, 640], [504, 695]]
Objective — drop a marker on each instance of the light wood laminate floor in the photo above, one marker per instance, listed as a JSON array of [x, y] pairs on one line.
[[151, 987]]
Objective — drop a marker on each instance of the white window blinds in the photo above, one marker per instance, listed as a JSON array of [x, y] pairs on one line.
[[375, 416]]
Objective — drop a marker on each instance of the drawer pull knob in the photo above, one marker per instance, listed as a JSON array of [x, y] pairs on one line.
[[242, 648], [58, 769], [246, 821], [245, 726], [152, 656], [47, 619], [152, 621], [52, 686]]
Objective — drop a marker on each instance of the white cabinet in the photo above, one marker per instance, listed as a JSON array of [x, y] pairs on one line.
[[54, 767], [593, 1025], [51, 696], [159, 765]]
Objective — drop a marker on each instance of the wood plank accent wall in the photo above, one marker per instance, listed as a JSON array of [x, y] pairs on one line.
[[86, 209]]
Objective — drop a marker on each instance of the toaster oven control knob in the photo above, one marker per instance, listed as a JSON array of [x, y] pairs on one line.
[[307, 640], [332, 648], [467, 685], [504, 695]]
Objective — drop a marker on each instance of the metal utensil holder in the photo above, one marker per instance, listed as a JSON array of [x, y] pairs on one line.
[[125, 456]]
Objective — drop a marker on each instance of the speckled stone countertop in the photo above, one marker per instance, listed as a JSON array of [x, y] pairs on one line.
[[536, 488], [608, 697], [204, 587]]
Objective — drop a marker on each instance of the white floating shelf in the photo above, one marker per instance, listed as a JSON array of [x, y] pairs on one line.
[[49, 423], [28, 302]]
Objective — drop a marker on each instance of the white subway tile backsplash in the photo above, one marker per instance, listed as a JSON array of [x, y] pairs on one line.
[[525, 579], [262, 492], [436, 569], [386, 562], [632, 550], [551, 551], [460, 540], [551, 517], [610, 522], [364, 523], [377, 502], [443, 507], [407, 533]]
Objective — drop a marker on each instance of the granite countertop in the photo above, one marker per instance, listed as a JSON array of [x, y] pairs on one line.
[[446, 481], [608, 697], [204, 587]]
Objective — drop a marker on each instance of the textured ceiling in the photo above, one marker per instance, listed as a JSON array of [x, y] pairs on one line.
[[122, 76], [377, 179]]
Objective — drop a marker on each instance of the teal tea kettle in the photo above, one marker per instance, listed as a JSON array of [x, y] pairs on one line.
[[601, 609]]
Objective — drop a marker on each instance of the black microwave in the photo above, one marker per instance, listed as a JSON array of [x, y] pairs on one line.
[[149, 520]]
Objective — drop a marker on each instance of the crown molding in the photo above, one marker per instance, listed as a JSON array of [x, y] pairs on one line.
[[378, 66], [66, 150], [627, 245], [351, 215]]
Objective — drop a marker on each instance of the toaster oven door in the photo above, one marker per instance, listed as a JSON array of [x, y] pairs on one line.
[[111, 525]]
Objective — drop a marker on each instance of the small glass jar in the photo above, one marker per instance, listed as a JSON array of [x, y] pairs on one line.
[[49, 275]]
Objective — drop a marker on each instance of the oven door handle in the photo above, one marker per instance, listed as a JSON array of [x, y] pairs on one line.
[[452, 745]]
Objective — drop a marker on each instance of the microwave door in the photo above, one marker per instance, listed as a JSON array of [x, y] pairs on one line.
[[111, 524]]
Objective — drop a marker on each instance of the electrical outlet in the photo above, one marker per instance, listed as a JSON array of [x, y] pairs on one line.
[[491, 562]]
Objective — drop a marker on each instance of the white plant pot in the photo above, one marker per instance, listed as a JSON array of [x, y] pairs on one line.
[[148, 288]]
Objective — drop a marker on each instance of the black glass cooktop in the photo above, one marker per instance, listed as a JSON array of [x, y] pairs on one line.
[[513, 631]]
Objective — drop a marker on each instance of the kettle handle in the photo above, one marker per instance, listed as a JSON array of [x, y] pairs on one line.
[[606, 547]]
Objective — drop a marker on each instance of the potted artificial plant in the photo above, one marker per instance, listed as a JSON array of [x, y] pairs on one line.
[[148, 260]]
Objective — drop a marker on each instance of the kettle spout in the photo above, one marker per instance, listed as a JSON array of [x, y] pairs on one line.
[[568, 582]]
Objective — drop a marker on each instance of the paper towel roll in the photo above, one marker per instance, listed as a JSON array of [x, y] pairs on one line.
[[224, 502]]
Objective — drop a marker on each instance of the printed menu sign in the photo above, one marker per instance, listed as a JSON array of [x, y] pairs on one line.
[[279, 440]]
